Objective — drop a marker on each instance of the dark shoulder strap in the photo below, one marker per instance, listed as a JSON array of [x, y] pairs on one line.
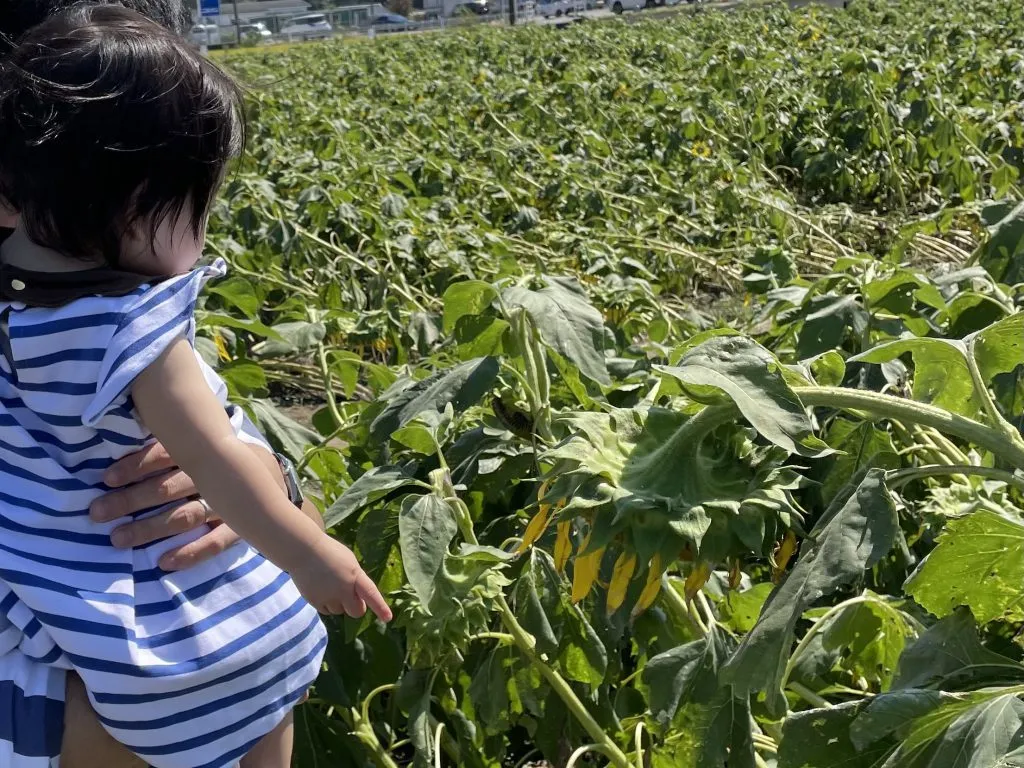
[[54, 289]]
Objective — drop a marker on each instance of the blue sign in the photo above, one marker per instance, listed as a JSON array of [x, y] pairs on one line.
[[209, 8]]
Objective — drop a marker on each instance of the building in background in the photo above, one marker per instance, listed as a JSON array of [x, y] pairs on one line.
[[269, 12]]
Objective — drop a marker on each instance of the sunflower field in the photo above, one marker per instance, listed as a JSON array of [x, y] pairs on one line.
[[668, 377]]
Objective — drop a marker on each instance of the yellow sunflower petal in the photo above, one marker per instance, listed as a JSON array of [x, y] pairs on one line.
[[585, 570], [536, 528], [783, 555], [651, 587], [563, 545], [622, 574], [698, 578]]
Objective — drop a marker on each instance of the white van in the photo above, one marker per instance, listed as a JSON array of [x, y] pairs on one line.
[[308, 27]]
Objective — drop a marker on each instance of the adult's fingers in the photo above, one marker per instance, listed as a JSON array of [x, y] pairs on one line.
[[162, 489], [137, 466], [200, 550], [170, 522], [368, 593]]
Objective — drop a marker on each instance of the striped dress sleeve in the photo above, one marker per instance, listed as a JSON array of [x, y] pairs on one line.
[[148, 325]]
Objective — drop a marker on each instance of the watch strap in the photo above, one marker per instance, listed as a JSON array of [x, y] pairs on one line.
[[291, 479]]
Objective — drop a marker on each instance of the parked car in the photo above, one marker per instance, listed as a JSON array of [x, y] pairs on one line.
[[618, 6], [391, 22], [556, 8], [478, 7], [256, 32], [205, 34], [309, 27]]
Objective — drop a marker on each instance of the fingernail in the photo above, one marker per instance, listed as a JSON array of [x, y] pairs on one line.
[[121, 538]]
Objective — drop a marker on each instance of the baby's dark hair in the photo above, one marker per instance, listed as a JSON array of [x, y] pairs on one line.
[[108, 122]]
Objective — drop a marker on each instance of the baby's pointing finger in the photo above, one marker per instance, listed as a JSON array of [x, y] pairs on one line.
[[368, 593]]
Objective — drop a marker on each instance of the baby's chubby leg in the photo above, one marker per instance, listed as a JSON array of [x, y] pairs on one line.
[[274, 750], [85, 744]]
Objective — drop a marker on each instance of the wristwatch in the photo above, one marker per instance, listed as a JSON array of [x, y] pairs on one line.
[[291, 480]]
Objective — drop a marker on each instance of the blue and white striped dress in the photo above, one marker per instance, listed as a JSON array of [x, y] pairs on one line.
[[186, 669]]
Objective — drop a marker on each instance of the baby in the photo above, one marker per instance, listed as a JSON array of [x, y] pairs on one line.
[[114, 138]]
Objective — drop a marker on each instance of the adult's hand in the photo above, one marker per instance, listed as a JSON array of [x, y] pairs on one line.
[[149, 479]]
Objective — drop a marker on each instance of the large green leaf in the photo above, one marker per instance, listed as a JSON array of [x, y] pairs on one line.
[[239, 292], [244, 378], [740, 609], [426, 526], [897, 293], [685, 674], [371, 486], [567, 321], [583, 657], [294, 338], [820, 738], [285, 434], [561, 629], [982, 736], [972, 730], [949, 649], [538, 600], [725, 735], [462, 386], [871, 636], [1003, 254], [941, 375], [466, 299], [414, 696], [750, 376], [479, 336], [891, 715], [999, 348], [489, 691], [859, 444], [979, 563], [828, 320], [855, 532]]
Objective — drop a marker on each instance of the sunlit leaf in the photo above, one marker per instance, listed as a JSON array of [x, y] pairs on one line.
[[567, 322], [856, 531], [426, 527], [751, 377], [979, 563]]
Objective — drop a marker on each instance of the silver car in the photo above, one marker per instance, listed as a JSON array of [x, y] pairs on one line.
[[311, 26]]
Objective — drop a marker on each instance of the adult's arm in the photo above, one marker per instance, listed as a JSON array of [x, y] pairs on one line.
[[149, 479]]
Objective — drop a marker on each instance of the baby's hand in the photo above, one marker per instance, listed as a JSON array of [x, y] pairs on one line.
[[334, 583]]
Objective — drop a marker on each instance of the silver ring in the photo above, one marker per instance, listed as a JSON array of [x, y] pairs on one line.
[[207, 510]]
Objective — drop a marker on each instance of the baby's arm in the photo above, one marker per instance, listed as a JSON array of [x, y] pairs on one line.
[[177, 406]]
